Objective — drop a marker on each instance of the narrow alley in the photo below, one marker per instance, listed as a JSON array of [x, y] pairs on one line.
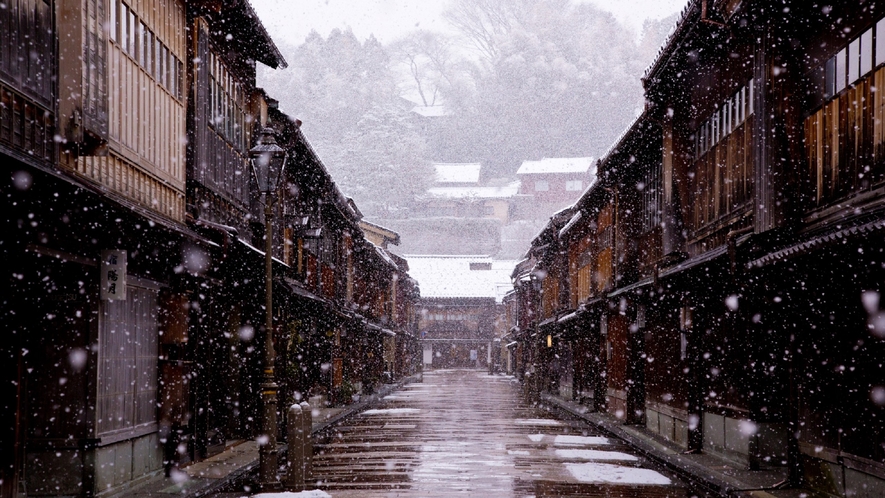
[[464, 432]]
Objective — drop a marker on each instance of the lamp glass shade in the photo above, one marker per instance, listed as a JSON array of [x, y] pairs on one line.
[[268, 162]]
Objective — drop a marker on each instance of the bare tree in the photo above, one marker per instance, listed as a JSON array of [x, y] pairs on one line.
[[484, 22], [430, 62]]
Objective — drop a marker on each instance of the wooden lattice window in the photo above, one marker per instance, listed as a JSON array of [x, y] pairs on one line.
[[845, 130], [128, 351]]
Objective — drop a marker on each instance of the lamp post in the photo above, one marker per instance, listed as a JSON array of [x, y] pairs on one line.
[[268, 162]]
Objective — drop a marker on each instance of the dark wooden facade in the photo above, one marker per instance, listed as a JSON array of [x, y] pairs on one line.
[[135, 138], [724, 270]]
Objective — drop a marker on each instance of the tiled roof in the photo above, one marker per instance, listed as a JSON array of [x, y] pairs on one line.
[[442, 276], [669, 45]]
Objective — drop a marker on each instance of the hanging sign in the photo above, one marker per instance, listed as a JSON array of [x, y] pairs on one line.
[[113, 275]]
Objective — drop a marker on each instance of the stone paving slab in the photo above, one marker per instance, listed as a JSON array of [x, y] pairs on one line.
[[466, 433], [238, 461], [223, 464], [395, 451]]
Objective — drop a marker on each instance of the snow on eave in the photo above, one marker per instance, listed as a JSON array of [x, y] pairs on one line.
[[556, 165], [552, 222], [504, 192], [344, 204], [457, 172], [619, 142], [391, 236], [384, 256], [449, 256], [669, 45], [572, 222]]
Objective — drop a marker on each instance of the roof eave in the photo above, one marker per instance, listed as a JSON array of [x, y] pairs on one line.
[[265, 50], [652, 74]]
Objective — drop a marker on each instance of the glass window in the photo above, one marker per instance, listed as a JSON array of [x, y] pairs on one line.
[[732, 113], [817, 89], [114, 21], [130, 42], [726, 119], [880, 42], [739, 105], [750, 101], [866, 52], [853, 65], [715, 132], [841, 70], [124, 27], [573, 185], [165, 76], [173, 78], [699, 142], [142, 44], [179, 91], [148, 51], [708, 135], [541, 186], [173, 73], [830, 79], [158, 52]]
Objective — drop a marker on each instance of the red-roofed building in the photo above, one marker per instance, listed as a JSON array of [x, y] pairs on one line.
[[559, 179]]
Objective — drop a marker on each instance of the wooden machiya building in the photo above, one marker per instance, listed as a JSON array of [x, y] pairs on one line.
[[212, 353], [719, 283], [460, 303], [93, 129], [132, 227]]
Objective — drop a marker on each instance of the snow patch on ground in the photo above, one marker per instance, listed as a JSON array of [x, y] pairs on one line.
[[595, 455], [316, 493], [536, 437], [400, 397], [518, 452], [580, 441], [615, 474], [390, 411], [506, 378], [538, 421]]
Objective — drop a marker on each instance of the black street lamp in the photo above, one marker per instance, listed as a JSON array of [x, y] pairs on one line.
[[268, 162]]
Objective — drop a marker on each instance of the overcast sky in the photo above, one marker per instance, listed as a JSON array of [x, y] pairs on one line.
[[292, 20]]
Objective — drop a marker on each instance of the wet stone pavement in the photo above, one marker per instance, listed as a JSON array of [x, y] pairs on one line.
[[467, 433]]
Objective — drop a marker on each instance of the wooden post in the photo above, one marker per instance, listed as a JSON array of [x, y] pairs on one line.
[[673, 240], [307, 441], [295, 461]]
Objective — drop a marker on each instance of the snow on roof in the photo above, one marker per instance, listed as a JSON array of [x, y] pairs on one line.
[[556, 165], [504, 192], [441, 276], [430, 111], [457, 172], [575, 218], [381, 252]]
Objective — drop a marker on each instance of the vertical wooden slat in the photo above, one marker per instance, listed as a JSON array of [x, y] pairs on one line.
[[879, 122]]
